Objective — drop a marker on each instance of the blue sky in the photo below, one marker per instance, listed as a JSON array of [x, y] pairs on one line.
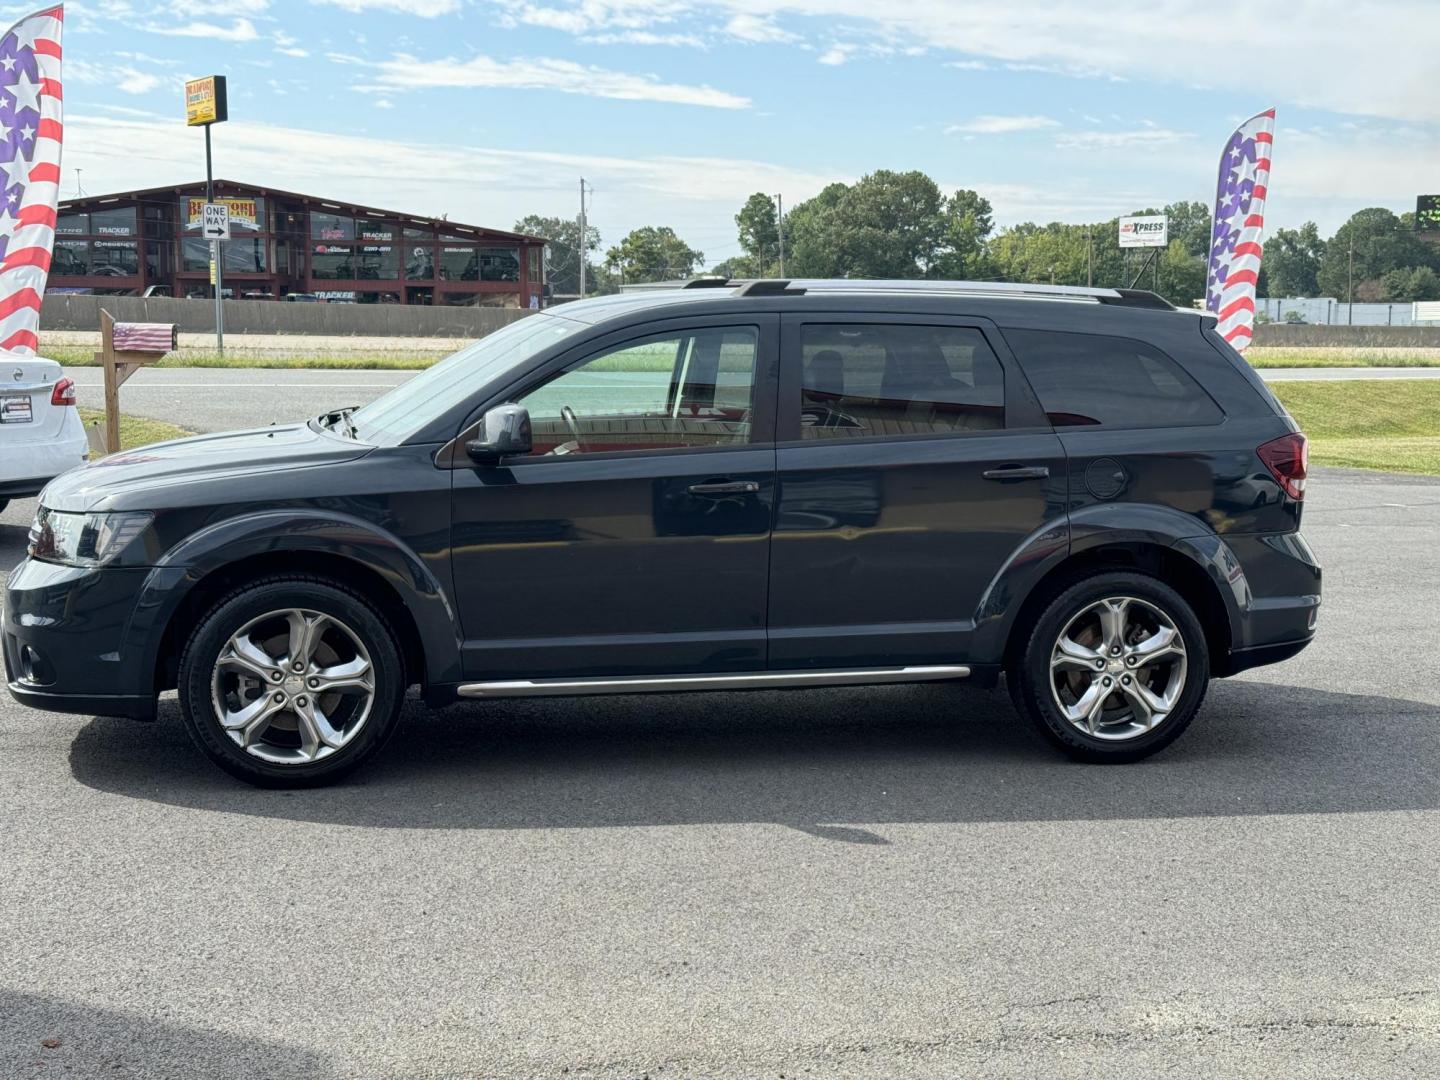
[[675, 110]]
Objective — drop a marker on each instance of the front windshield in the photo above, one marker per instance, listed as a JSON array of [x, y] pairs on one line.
[[410, 407]]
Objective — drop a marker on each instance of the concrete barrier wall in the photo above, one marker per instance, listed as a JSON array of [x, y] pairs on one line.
[[68, 312], [1279, 335]]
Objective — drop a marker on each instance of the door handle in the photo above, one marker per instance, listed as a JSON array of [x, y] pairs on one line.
[[724, 487], [1017, 472]]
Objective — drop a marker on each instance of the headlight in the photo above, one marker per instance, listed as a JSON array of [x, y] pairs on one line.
[[83, 539]]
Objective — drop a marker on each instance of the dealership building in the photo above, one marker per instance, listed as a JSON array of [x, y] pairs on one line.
[[283, 243]]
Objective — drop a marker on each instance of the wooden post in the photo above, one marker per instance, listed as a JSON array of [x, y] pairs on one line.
[[119, 366]]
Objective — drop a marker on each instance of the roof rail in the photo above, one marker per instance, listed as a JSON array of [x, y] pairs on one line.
[[994, 289], [711, 282]]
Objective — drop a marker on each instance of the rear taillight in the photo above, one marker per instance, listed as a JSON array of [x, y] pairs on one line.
[[1288, 459], [64, 393]]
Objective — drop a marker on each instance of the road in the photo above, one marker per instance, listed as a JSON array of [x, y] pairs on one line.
[[892, 882], [222, 399]]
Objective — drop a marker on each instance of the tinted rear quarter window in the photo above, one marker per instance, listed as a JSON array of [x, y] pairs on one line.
[[863, 380], [1093, 380]]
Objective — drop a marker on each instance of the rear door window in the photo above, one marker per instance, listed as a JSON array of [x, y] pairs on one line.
[[884, 379], [1092, 380]]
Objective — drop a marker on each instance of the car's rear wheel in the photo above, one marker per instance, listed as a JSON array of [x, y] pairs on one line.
[[1114, 669], [291, 682]]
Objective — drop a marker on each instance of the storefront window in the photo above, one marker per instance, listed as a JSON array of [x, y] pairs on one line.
[[71, 258], [419, 262], [499, 264], [420, 234], [195, 256], [73, 225], [120, 222], [534, 264], [245, 255], [377, 298], [332, 262], [366, 229], [114, 258], [377, 261], [459, 263], [331, 227]]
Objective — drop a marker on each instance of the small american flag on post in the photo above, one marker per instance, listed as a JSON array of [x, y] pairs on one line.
[[30, 137], [1237, 238]]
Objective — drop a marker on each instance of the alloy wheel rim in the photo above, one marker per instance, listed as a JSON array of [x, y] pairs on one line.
[[1118, 668], [293, 686]]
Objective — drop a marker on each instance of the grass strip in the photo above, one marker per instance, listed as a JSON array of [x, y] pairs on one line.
[[136, 430], [1387, 424]]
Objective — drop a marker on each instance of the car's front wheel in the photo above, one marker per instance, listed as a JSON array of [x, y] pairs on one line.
[[1114, 669], [291, 682]]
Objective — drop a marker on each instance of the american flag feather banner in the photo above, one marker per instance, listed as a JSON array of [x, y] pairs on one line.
[[1237, 237], [30, 136]]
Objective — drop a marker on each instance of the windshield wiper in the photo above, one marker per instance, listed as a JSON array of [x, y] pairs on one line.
[[341, 416]]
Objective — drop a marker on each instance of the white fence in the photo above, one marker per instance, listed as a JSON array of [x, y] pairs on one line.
[[1327, 311]]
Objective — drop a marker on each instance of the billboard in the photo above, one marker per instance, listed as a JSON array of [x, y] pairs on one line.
[[1427, 213], [1144, 232], [244, 214], [205, 101]]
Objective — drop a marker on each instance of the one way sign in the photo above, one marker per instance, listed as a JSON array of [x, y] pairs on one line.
[[215, 221]]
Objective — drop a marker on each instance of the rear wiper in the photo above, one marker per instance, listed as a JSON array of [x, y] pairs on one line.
[[341, 416]]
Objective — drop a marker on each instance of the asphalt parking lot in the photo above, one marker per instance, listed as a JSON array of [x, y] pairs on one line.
[[892, 882]]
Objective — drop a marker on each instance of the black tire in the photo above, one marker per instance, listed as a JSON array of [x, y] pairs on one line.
[[228, 616], [1030, 681]]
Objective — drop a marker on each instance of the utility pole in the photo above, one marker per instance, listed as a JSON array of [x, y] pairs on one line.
[[582, 238], [1350, 285], [780, 229], [79, 190]]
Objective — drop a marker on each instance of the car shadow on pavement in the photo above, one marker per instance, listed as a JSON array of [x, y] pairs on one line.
[[42, 1036], [817, 760]]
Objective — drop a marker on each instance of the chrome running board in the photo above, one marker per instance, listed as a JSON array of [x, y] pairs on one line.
[[759, 680]]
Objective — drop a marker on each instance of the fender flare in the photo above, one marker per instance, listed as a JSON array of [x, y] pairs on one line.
[[307, 531], [1091, 528]]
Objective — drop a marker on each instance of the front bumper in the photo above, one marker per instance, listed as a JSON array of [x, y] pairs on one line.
[[65, 638]]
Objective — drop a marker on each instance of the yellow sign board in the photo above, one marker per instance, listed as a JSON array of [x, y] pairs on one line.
[[205, 101], [244, 215]]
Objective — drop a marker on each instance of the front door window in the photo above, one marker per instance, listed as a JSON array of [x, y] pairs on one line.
[[688, 389]]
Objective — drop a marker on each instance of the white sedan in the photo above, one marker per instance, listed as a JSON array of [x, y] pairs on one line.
[[41, 435]]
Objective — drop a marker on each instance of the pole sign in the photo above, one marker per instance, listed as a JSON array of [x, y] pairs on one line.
[[1427, 213], [215, 221], [205, 101], [1145, 232]]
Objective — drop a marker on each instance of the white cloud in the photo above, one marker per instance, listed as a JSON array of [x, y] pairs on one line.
[[1002, 125], [424, 9], [1327, 55], [1121, 140], [240, 30], [286, 45], [836, 55], [403, 72], [760, 29], [646, 37], [968, 65], [123, 77]]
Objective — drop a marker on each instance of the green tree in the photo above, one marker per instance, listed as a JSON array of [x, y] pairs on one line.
[[1380, 243], [562, 252], [1292, 261], [969, 221], [887, 225], [1410, 283], [653, 253], [759, 237], [1182, 274], [1190, 223]]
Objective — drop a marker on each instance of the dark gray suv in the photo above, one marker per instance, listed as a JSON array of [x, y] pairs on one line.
[[721, 487]]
